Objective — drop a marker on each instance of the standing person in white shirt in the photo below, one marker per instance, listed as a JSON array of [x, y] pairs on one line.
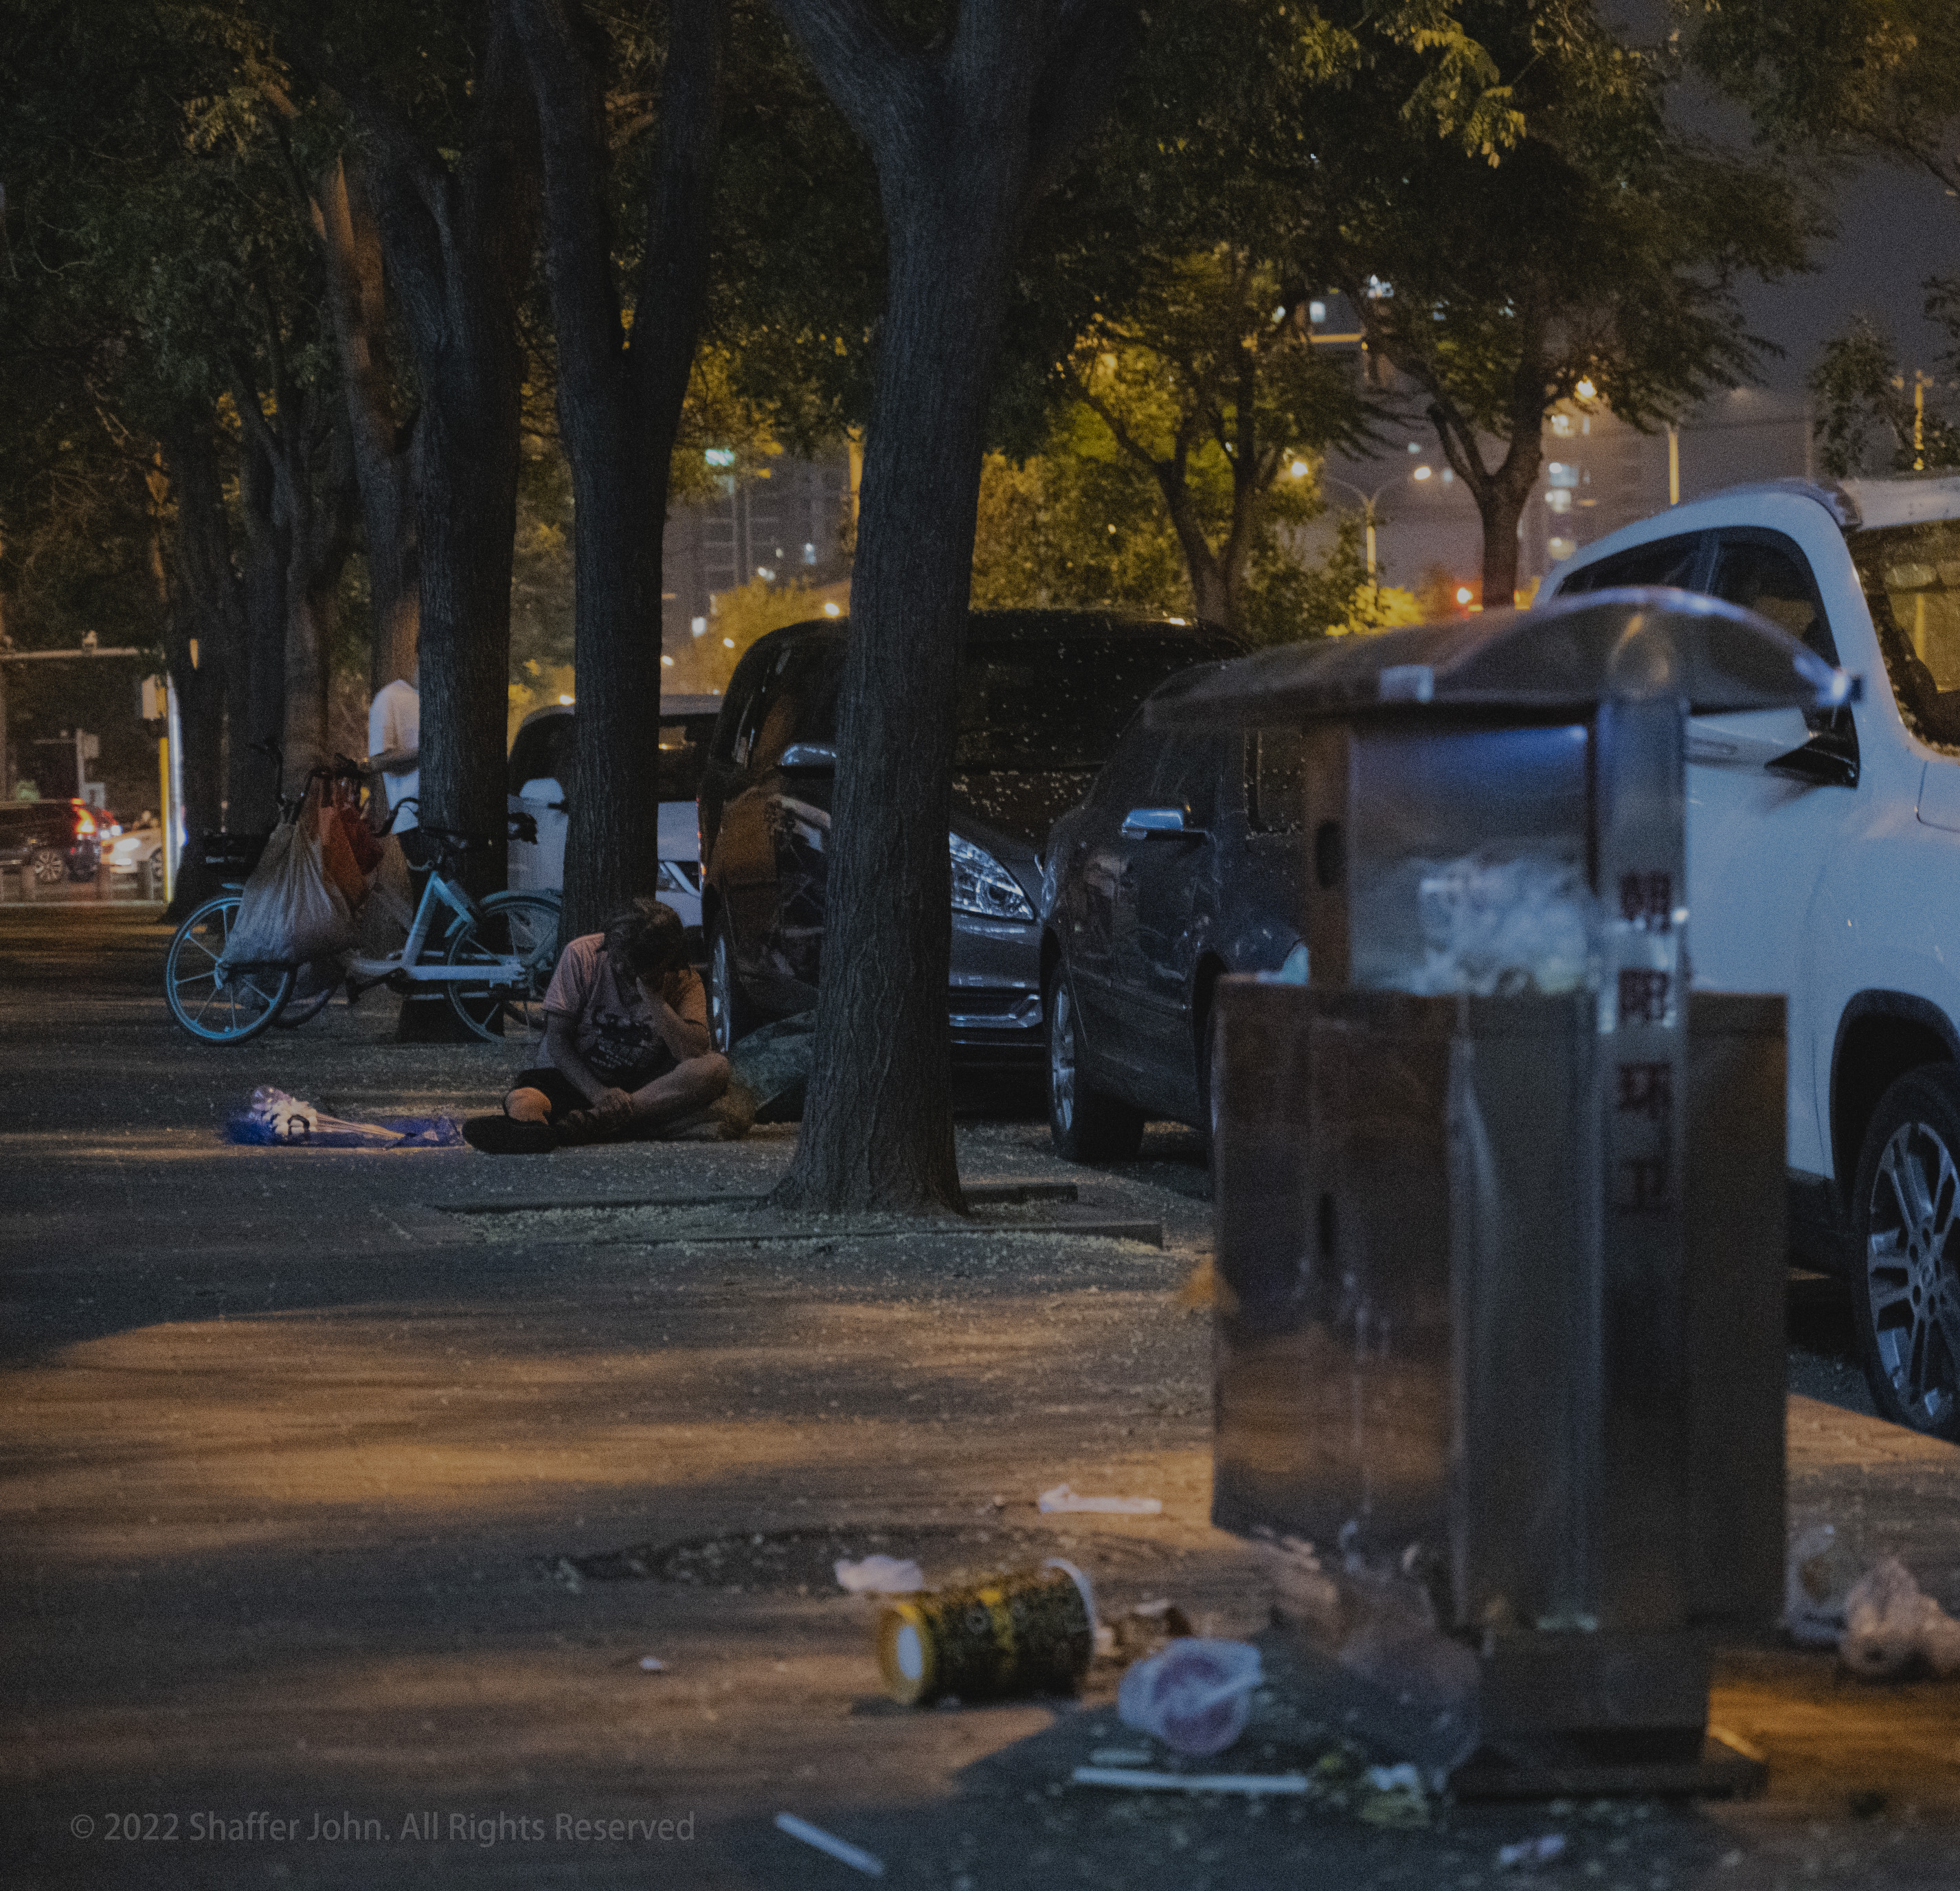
[[394, 743]]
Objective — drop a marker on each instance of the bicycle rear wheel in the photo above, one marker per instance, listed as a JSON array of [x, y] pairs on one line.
[[507, 1002], [216, 1005]]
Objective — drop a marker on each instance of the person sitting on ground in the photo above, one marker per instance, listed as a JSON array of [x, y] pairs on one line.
[[626, 1033]]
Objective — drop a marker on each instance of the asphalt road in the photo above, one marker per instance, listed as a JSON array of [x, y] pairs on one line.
[[319, 1468]]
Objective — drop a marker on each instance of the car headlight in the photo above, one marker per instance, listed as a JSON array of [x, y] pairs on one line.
[[981, 885]]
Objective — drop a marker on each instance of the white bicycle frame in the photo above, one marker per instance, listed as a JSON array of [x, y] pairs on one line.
[[405, 964]]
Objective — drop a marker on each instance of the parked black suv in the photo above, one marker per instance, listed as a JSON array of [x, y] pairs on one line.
[[1185, 862], [1043, 696], [50, 840]]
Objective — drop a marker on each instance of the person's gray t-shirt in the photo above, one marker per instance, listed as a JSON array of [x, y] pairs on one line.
[[612, 1026]]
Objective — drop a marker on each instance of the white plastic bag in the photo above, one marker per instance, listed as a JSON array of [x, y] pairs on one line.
[[290, 913], [1195, 1696], [1890, 1625]]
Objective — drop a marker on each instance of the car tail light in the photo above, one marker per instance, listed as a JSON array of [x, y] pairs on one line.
[[84, 822]]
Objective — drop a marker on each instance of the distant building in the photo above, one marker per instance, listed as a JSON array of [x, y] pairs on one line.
[[782, 523]]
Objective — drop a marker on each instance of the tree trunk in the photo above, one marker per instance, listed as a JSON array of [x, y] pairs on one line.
[[878, 1132], [619, 407], [255, 700], [457, 237], [381, 444], [964, 136]]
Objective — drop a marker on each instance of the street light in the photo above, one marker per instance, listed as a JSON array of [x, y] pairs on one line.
[[1368, 505]]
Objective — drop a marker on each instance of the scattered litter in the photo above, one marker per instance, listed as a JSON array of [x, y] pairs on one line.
[[1026, 1632], [1144, 1630], [1204, 1291], [770, 1068], [1121, 1756], [277, 1120], [827, 1842], [1817, 1579], [1142, 1782], [1890, 1625], [1530, 1852], [652, 1664], [1195, 1696], [1062, 1498], [880, 1576], [1396, 1797]]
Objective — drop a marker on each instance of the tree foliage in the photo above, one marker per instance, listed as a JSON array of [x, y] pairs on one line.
[[1591, 242]]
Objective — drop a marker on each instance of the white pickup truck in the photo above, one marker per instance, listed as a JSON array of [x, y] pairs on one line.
[[1824, 862]]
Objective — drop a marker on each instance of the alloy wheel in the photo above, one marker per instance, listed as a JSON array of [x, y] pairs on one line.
[[1912, 1273], [720, 1010]]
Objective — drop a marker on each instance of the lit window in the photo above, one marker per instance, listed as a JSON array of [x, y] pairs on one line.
[[728, 643], [810, 554], [1558, 500], [667, 663], [1586, 390], [767, 573], [1560, 548], [1463, 594], [831, 610], [1316, 311], [1300, 469], [1422, 472], [720, 455], [566, 701], [1415, 446], [1560, 474], [1561, 425], [697, 627]]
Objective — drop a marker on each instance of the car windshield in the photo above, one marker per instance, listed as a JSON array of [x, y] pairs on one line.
[[1062, 705], [1911, 579]]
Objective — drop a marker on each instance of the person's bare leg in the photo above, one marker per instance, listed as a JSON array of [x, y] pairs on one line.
[[689, 1087], [527, 1106]]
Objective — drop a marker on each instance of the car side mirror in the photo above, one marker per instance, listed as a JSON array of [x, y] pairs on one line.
[[1152, 823], [812, 758], [1828, 759]]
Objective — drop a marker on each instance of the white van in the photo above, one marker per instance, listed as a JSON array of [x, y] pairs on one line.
[[538, 804], [1824, 862]]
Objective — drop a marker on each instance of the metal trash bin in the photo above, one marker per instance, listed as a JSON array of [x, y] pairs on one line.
[[1501, 1239]]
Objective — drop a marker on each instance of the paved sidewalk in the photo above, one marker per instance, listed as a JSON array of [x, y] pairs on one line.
[[314, 1473]]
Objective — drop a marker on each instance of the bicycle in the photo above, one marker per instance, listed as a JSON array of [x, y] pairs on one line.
[[494, 959]]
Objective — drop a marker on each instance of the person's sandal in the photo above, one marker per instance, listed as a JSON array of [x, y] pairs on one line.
[[505, 1136]]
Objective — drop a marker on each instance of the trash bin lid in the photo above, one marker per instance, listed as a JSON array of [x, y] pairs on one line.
[[1556, 660]]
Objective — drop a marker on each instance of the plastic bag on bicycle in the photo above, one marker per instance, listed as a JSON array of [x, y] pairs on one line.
[[290, 911]]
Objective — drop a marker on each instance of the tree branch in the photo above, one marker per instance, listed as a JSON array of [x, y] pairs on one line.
[[875, 79]]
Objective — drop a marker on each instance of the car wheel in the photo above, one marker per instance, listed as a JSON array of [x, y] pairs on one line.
[[730, 1016], [1086, 1124], [1905, 1221], [50, 868]]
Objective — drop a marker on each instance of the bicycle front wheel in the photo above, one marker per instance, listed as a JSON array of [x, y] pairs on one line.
[[515, 944], [217, 1005]]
